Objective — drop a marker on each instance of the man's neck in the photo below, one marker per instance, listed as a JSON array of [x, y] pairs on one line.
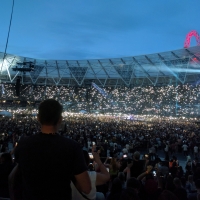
[[49, 129]]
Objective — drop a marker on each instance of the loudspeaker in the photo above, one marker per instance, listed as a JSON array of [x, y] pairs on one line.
[[17, 87]]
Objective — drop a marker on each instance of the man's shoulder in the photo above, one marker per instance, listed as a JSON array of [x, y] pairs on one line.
[[49, 138], [138, 162]]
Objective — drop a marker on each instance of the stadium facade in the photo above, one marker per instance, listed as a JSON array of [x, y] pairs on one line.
[[167, 68], [155, 85]]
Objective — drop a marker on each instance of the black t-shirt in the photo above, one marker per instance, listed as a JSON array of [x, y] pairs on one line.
[[5, 170], [137, 168], [181, 193], [47, 163]]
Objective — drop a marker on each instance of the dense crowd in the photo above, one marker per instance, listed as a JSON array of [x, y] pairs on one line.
[[129, 149], [180, 100]]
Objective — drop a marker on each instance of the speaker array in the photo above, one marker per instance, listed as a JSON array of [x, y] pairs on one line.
[[17, 87]]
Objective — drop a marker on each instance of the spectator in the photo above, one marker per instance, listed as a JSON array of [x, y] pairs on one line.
[[138, 165], [188, 169], [196, 151], [96, 179], [113, 167], [167, 195], [134, 184], [173, 169], [179, 191], [191, 188], [185, 149], [152, 188], [169, 183], [194, 164], [48, 161], [129, 194], [115, 191], [164, 170], [121, 176], [152, 153], [180, 172], [166, 149]]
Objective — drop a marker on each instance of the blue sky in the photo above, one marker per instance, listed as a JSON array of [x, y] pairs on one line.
[[87, 29]]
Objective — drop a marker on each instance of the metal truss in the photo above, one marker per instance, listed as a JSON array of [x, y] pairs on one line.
[[126, 72], [78, 73], [179, 66]]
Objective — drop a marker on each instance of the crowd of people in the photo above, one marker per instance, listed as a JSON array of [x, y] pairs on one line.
[[180, 100], [125, 159]]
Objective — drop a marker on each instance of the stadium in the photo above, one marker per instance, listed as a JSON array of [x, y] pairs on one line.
[[99, 100], [164, 84]]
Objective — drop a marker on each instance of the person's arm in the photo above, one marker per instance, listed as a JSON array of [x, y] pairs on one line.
[[13, 150], [103, 176], [83, 182], [159, 179], [146, 163], [118, 165], [107, 158], [105, 163], [141, 176], [128, 170]]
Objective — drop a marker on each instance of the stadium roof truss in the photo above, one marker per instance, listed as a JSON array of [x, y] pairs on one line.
[[173, 67]]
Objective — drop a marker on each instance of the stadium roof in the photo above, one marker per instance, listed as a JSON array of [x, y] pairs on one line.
[[179, 66]]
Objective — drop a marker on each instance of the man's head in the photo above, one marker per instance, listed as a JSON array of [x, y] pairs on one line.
[[50, 112], [177, 182], [136, 155], [133, 183], [190, 178]]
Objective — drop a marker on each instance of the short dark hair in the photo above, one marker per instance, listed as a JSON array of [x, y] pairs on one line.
[[136, 155], [50, 112], [129, 194]]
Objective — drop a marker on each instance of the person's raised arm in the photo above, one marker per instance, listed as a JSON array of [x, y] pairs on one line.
[[105, 163], [128, 170], [146, 163], [159, 179], [141, 176], [103, 176]]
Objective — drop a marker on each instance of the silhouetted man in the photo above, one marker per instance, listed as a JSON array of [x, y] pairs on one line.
[[47, 161]]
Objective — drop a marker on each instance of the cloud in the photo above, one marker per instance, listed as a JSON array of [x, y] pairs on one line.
[[79, 29]]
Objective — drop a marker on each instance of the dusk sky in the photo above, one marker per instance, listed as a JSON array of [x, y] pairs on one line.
[[88, 29]]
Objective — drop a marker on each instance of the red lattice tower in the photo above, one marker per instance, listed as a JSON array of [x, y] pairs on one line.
[[188, 38]]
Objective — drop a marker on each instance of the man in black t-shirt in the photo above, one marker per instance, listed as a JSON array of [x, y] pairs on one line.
[[48, 162], [138, 165]]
